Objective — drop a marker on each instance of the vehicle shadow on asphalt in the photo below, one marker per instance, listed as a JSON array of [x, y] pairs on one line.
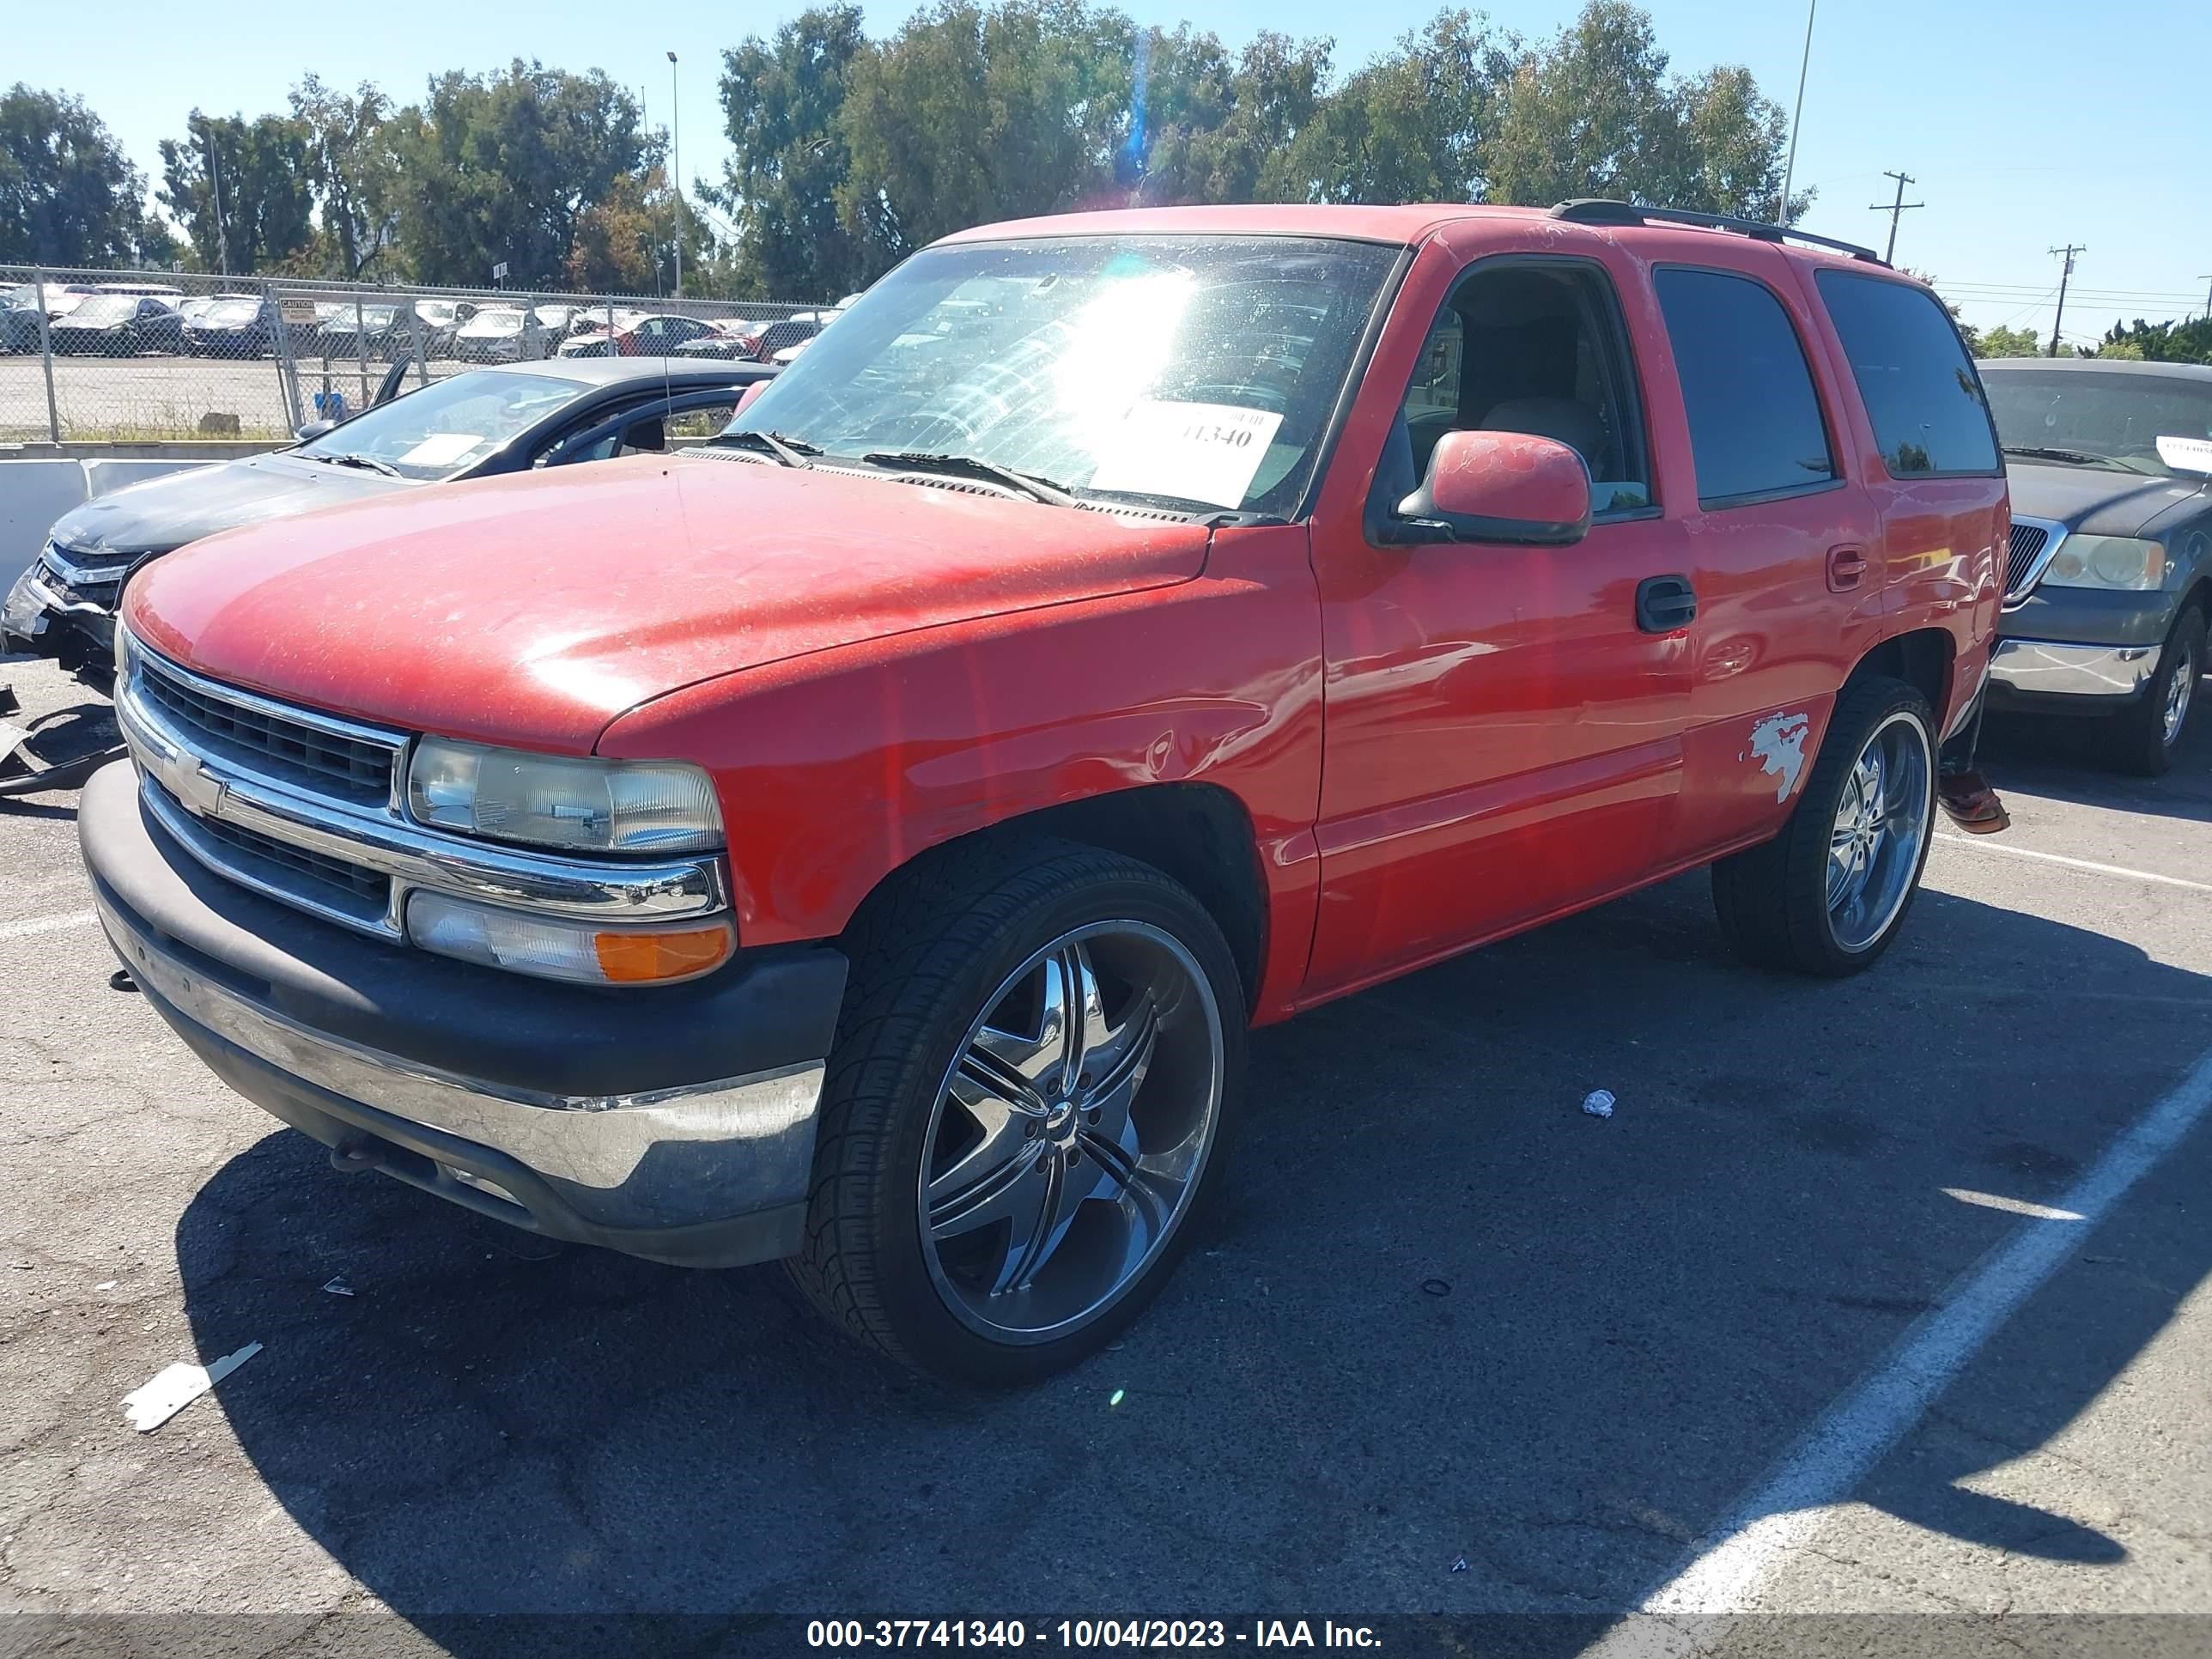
[[1447, 1318], [2065, 758]]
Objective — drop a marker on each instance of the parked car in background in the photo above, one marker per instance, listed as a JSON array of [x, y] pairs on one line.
[[590, 336], [474, 424], [378, 332], [2109, 580], [442, 322], [559, 320], [19, 311], [506, 334], [729, 339], [867, 840], [233, 325], [118, 325], [647, 334]]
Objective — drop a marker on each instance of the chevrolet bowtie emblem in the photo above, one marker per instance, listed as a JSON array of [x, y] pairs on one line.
[[200, 792]]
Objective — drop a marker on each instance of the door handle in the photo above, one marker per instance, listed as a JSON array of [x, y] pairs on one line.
[[1847, 568], [1664, 604]]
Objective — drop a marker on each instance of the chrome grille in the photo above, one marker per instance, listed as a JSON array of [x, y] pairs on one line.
[[83, 586], [286, 871], [229, 725], [2027, 542]]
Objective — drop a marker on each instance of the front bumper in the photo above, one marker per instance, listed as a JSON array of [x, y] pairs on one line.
[[2036, 673], [40, 615], [675, 1122]]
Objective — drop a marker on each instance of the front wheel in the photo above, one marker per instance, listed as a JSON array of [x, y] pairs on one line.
[[2147, 734], [1829, 893], [1027, 1110]]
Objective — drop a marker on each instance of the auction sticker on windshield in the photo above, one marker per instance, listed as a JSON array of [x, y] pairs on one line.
[[440, 449], [2189, 454], [1201, 452]]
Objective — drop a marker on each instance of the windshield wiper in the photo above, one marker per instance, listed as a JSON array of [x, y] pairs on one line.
[[368, 461], [968, 466], [2073, 457], [788, 452]]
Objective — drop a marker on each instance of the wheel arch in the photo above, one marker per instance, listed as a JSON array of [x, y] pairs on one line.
[[1922, 658], [1200, 834]]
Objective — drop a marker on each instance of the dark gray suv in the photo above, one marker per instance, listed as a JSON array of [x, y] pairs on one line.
[[2110, 577]]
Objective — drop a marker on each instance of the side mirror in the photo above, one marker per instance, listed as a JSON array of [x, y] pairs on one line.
[[315, 429], [1498, 487], [746, 396]]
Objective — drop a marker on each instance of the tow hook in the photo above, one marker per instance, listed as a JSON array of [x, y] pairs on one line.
[[352, 1156]]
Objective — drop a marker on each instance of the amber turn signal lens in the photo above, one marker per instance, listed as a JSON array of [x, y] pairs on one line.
[[642, 958]]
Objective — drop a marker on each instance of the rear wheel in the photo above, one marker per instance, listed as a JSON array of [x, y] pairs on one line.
[[1828, 894], [1027, 1107], [2148, 732]]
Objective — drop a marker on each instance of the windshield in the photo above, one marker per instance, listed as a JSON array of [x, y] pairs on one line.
[[449, 425], [105, 308], [496, 322], [2112, 420], [234, 311], [1192, 372]]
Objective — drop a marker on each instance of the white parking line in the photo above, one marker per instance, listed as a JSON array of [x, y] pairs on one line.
[[1982, 844], [46, 924], [1854, 1434]]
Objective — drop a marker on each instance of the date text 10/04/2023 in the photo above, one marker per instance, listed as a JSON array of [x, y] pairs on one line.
[[1087, 1634]]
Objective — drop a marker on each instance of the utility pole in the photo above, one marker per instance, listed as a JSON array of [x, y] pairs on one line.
[[2069, 251], [2206, 278], [1894, 210], [1797, 110], [676, 168], [214, 183]]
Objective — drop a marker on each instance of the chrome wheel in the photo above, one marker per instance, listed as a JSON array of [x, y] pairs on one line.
[[2180, 687], [1881, 825], [1071, 1132]]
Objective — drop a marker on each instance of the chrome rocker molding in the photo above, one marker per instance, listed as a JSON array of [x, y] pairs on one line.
[[2050, 667], [747, 1142], [182, 788]]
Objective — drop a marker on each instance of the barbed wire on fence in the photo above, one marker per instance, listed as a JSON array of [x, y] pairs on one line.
[[93, 355]]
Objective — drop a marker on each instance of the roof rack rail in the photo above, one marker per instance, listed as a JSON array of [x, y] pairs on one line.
[[1597, 210]]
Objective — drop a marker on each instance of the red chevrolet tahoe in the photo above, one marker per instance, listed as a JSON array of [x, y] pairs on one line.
[[868, 840]]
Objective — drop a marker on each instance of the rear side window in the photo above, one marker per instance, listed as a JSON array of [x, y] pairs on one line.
[[1755, 427], [1921, 393]]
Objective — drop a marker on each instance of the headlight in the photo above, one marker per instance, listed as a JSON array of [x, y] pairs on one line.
[[2120, 562], [552, 800], [555, 947]]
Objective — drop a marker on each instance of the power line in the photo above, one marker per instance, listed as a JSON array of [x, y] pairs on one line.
[[2065, 272], [1895, 209]]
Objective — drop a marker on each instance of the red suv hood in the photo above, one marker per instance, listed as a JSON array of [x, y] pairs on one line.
[[533, 609]]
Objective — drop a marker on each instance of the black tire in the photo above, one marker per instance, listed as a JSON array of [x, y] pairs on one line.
[[927, 955], [1772, 899], [2136, 739]]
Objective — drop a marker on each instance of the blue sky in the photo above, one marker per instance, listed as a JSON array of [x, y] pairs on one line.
[[2025, 123]]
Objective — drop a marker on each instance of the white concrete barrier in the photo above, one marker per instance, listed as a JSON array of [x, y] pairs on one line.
[[34, 493]]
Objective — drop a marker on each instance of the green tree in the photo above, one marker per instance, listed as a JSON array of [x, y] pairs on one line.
[[354, 172], [1415, 126], [68, 195], [2186, 341], [263, 180], [500, 169], [1594, 112], [969, 114], [781, 102], [2002, 341]]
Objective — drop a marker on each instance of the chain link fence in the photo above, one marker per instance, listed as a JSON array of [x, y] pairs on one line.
[[118, 356]]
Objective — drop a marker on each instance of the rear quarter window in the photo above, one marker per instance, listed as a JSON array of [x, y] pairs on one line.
[[1755, 424], [1922, 394]]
